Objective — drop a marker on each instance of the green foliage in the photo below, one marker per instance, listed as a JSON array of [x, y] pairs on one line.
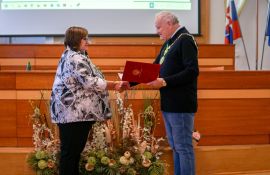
[[156, 168], [42, 163], [32, 161]]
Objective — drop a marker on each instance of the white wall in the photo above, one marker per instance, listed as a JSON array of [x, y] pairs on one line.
[[248, 23]]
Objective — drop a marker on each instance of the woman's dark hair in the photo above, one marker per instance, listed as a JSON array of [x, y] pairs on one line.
[[73, 37]]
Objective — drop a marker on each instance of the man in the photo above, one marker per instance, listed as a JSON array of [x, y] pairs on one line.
[[178, 88]]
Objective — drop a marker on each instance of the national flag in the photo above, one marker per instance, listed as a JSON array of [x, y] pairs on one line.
[[232, 30], [268, 24]]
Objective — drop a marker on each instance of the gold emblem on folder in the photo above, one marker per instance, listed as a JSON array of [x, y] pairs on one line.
[[136, 72]]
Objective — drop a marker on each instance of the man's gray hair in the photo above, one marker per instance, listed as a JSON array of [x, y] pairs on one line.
[[168, 16]]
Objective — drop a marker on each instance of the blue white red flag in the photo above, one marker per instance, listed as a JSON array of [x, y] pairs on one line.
[[232, 30]]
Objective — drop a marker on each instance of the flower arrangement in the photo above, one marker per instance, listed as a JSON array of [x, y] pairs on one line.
[[44, 158], [129, 149], [120, 146]]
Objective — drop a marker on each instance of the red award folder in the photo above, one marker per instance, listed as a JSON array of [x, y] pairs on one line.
[[140, 72]]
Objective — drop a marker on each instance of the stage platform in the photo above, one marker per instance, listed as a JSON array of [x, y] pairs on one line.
[[210, 160]]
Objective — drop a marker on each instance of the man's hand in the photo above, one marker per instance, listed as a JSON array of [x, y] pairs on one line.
[[158, 83]]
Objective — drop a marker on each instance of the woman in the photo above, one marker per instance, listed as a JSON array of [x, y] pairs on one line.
[[79, 98]]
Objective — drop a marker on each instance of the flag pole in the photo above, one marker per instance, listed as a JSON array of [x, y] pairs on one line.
[[257, 47], [244, 48], [266, 27], [263, 51], [244, 44], [242, 38]]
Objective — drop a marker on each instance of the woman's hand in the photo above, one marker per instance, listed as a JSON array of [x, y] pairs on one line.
[[118, 85], [121, 85]]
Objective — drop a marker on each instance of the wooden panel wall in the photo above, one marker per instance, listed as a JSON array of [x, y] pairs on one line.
[[234, 106], [107, 56]]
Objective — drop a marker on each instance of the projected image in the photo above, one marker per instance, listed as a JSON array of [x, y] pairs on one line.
[[94, 4], [100, 17]]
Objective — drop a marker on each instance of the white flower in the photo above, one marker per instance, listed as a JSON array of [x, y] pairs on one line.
[[131, 160], [127, 154], [123, 160], [142, 147]]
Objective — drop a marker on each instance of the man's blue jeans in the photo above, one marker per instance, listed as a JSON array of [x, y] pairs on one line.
[[179, 128]]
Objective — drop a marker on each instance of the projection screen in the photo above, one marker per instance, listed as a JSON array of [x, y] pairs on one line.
[[100, 17]]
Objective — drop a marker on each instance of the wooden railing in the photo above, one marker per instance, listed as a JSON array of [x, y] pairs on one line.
[[234, 106], [107, 56]]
